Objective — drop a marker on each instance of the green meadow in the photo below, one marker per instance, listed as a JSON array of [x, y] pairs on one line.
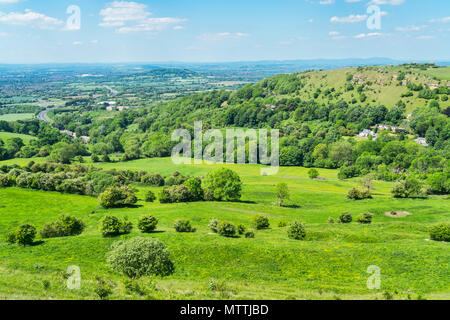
[[16, 116], [9, 135], [331, 263]]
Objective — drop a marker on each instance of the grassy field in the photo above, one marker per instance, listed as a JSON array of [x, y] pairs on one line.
[[384, 89], [331, 263], [8, 135], [16, 116]]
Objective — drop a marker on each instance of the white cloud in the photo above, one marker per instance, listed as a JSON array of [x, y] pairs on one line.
[[9, 1], [223, 36], [425, 37], [410, 28], [441, 20], [349, 19], [93, 41], [353, 1], [391, 2], [333, 33], [122, 11], [77, 43], [325, 2], [30, 18], [368, 35], [151, 24], [131, 17], [178, 28]]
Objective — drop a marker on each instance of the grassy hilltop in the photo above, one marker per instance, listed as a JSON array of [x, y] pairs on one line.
[[331, 263]]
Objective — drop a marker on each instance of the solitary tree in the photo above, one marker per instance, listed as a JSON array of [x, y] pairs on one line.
[[282, 192]]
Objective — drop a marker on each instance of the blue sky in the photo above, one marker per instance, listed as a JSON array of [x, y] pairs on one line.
[[37, 31]]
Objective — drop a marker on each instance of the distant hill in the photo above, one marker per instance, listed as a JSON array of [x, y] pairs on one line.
[[274, 100]]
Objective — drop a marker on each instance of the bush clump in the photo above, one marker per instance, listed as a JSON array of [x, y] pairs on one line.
[[150, 197], [262, 222], [297, 231], [213, 225], [313, 173], [365, 218], [24, 235], [140, 257], [356, 194], [115, 197], [111, 226], [183, 226], [440, 232], [345, 218], [226, 229], [222, 185], [241, 229], [153, 179], [65, 226], [250, 234], [147, 223], [408, 188], [175, 194]]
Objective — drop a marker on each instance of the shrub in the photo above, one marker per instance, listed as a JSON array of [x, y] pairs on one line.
[[262, 222], [25, 234], [183, 226], [103, 292], [356, 194], [114, 197], [194, 186], [282, 224], [226, 229], [241, 229], [11, 237], [345, 218], [222, 185], [164, 196], [407, 188], [65, 226], [147, 223], [213, 225], [103, 289], [174, 194], [134, 286], [297, 231], [140, 257], [150, 197], [175, 179], [313, 173], [111, 226], [365, 218], [440, 232], [250, 234], [282, 192], [331, 220], [153, 179]]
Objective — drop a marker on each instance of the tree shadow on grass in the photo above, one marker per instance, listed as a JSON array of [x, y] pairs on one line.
[[243, 201], [292, 206], [37, 243]]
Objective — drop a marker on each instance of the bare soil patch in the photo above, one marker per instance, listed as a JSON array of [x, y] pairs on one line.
[[398, 214]]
